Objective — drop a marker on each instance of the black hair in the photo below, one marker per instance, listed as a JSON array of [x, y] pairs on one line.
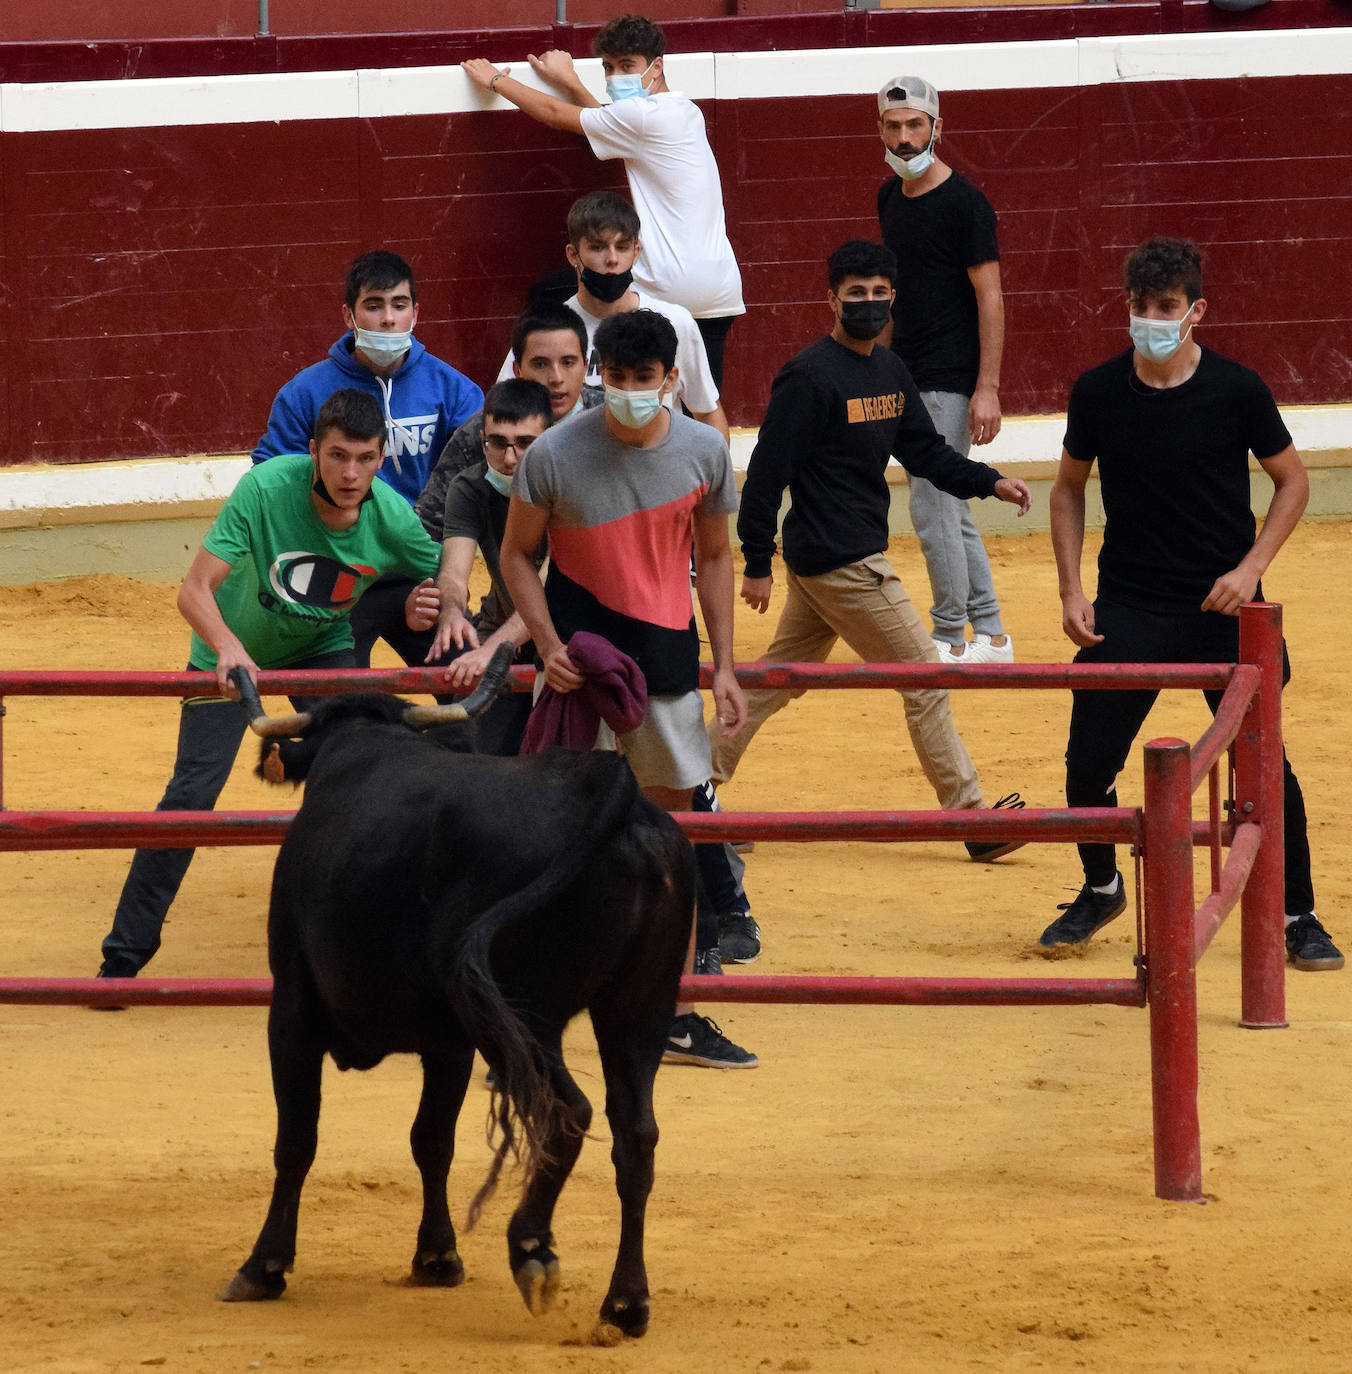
[[635, 337], [546, 317], [518, 399], [356, 413], [601, 212], [861, 258], [1161, 264], [378, 271], [631, 35]]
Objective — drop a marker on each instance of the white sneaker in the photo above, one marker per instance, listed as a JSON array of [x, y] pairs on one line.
[[981, 650], [948, 657]]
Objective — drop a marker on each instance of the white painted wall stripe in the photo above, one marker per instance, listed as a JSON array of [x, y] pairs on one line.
[[167, 102], [159, 484]]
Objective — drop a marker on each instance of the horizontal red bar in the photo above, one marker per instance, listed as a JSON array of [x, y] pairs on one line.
[[257, 992], [136, 992], [894, 676], [918, 992], [52, 830], [23, 831]]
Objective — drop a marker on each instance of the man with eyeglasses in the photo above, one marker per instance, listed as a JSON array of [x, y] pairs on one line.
[[474, 515]]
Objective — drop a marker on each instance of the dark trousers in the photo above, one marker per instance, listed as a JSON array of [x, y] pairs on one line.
[[209, 732], [1104, 725], [714, 332], [380, 615], [719, 872]]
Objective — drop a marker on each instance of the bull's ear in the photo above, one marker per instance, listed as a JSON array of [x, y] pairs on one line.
[[272, 767]]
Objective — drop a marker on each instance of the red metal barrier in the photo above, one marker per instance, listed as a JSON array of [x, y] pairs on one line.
[[852, 992], [1175, 935]]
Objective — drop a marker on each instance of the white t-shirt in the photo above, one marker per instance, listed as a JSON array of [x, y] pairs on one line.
[[694, 381], [677, 192]]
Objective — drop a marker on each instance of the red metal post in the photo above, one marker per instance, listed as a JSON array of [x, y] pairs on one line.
[[1171, 973], [1258, 797]]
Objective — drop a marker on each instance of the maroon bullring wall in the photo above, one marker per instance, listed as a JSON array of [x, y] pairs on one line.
[[173, 244]]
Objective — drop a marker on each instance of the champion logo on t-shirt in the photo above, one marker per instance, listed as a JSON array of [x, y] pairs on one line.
[[859, 409], [311, 579]]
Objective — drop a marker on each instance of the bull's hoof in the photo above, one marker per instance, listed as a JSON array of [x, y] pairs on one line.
[[538, 1280], [628, 1318], [246, 1287], [432, 1270]]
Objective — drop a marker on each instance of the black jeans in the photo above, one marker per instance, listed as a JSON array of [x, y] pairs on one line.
[[380, 615], [209, 732], [714, 332], [1104, 725]]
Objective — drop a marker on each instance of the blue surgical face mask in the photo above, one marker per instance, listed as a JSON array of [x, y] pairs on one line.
[[501, 482], [633, 409], [384, 348], [919, 163], [625, 84], [1158, 340]]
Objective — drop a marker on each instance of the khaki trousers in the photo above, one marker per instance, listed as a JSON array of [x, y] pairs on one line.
[[864, 604]]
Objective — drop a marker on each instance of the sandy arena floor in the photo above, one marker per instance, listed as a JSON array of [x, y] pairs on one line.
[[909, 1189]]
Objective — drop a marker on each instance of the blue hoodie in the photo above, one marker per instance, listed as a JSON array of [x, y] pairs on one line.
[[428, 398]]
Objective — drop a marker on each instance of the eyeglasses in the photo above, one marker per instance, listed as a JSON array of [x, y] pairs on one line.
[[500, 443]]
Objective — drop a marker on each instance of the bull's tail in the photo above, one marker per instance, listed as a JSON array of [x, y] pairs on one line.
[[525, 1106]]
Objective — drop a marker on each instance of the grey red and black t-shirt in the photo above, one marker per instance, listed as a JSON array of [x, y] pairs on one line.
[[621, 529]]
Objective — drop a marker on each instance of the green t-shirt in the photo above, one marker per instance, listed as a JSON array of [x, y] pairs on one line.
[[292, 580]]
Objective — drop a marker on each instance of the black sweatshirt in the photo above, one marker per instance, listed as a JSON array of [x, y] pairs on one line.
[[834, 419]]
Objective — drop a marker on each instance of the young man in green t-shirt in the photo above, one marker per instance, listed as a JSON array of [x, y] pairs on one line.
[[295, 546]]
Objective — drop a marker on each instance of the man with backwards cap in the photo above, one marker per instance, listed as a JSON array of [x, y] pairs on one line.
[[949, 330]]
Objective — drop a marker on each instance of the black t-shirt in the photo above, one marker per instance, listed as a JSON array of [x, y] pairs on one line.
[[835, 417], [1174, 474], [937, 237]]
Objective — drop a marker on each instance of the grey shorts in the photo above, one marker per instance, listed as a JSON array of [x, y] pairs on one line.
[[671, 746]]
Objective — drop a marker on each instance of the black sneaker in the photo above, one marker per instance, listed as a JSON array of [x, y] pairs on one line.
[[983, 853], [738, 937], [707, 963], [113, 968], [696, 1039], [1086, 915], [1309, 948]]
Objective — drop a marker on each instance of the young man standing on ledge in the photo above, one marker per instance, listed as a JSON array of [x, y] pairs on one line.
[[673, 177], [1171, 425]]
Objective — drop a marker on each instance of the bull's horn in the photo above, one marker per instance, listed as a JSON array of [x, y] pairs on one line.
[[262, 724], [478, 701], [279, 727]]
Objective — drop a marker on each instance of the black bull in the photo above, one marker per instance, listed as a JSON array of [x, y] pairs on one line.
[[434, 903]]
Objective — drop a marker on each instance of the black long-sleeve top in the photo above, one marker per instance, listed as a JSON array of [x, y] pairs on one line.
[[834, 419]]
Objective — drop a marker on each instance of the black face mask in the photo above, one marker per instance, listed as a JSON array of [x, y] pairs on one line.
[[607, 286], [321, 491], [864, 319]]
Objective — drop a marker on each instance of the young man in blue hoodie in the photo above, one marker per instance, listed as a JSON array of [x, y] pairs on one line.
[[424, 400]]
